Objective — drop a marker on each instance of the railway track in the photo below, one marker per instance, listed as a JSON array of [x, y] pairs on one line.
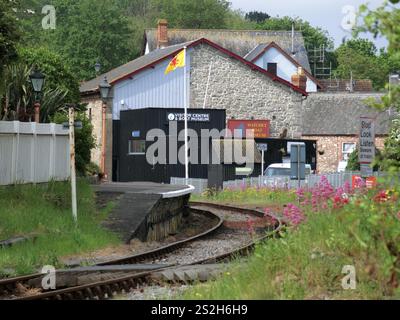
[[162, 259]]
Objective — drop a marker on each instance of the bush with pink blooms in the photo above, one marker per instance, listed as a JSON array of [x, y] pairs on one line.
[[327, 228]]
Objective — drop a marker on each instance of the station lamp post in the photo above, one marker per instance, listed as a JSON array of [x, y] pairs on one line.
[[104, 87], [97, 67], [37, 80]]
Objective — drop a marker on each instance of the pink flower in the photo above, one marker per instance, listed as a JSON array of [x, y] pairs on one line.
[[250, 225], [267, 212], [300, 194], [347, 187], [360, 183], [293, 214]]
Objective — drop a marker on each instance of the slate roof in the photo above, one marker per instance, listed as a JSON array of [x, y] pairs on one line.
[[339, 114], [129, 69], [240, 42], [260, 49]]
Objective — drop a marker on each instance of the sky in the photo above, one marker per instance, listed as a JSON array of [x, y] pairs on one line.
[[327, 14]]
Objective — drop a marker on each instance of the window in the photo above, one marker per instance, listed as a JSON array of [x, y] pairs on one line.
[[137, 147], [272, 67], [347, 149]]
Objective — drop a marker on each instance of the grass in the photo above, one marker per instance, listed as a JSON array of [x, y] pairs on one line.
[[307, 261], [248, 196], [45, 211]]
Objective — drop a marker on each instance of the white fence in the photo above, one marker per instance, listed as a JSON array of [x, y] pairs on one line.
[[33, 153], [335, 179]]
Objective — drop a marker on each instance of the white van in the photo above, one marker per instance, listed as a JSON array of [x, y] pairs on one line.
[[282, 169]]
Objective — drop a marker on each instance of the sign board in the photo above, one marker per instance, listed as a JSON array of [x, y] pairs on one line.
[[262, 146], [193, 117], [260, 128], [136, 134], [298, 162], [77, 125], [366, 153], [290, 144], [366, 170]]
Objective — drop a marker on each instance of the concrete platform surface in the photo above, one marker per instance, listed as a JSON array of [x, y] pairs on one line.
[[165, 190], [144, 210]]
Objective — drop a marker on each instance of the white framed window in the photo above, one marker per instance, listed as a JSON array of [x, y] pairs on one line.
[[136, 147], [347, 149]]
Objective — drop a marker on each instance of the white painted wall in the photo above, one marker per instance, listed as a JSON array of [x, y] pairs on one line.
[[286, 68], [33, 153], [151, 88]]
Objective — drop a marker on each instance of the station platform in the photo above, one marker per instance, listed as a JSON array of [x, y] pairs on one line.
[[165, 190], [144, 210]]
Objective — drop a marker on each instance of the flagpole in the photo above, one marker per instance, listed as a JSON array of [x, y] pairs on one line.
[[185, 96]]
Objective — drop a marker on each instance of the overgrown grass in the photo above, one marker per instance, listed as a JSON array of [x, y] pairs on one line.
[[45, 212], [248, 196], [307, 262]]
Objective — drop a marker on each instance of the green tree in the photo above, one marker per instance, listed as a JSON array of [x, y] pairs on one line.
[[58, 73], [354, 165], [257, 16], [314, 37], [353, 61], [390, 158], [385, 21], [88, 31], [196, 14], [9, 33], [362, 46]]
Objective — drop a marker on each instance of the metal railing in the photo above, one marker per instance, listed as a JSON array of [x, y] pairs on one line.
[[279, 182]]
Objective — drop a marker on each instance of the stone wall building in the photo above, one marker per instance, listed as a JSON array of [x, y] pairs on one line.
[[244, 92], [219, 76], [333, 119], [232, 83]]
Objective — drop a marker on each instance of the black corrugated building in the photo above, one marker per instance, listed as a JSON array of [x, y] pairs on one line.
[[130, 163], [131, 142]]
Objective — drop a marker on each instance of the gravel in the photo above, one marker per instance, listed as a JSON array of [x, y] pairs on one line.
[[229, 215], [153, 293], [214, 245]]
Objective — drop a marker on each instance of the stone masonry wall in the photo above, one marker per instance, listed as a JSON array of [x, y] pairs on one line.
[[331, 149], [243, 92], [94, 110]]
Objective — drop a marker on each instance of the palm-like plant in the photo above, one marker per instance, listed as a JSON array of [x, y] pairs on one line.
[[17, 96]]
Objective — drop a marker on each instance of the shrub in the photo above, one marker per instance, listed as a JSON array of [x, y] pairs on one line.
[[84, 141]]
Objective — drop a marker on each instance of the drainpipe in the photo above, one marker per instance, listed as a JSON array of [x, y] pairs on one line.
[[36, 108], [103, 139]]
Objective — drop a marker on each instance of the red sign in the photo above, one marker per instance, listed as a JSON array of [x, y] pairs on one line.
[[259, 128], [358, 182]]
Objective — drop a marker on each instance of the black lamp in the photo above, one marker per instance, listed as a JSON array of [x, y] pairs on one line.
[[97, 67], [104, 88], [37, 80]]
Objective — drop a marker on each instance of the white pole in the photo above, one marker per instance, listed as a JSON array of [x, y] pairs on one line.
[[262, 162], [292, 37], [72, 161], [185, 98], [208, 83]]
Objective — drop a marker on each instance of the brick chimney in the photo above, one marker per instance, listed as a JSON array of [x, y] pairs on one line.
[[162, 33], [299, 79]]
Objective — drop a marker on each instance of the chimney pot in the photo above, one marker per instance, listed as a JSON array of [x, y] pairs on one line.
[[162, 33], [299, 79]]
